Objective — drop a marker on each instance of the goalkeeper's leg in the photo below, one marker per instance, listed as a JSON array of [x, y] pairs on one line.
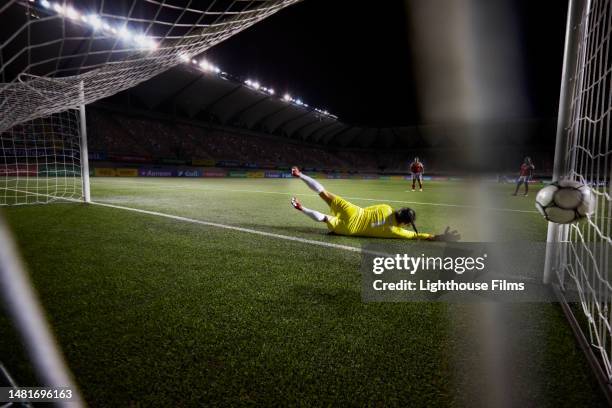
[[313, 214], [314, 185]]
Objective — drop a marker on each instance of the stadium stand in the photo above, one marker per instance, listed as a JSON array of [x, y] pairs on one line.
[[130, 135]]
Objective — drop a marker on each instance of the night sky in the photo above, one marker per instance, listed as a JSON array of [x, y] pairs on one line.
[[355, 58]]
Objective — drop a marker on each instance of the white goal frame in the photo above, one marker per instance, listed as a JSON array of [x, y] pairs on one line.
[[579, 256]]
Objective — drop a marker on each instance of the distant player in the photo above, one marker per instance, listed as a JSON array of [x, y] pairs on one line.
[[380, 220], [416, 168], [525, 173]]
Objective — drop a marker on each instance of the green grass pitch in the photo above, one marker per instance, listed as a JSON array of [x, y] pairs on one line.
[[151, 311]]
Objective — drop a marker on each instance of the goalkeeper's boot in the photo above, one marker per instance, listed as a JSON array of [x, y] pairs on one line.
[[295, 172], [295, 203]]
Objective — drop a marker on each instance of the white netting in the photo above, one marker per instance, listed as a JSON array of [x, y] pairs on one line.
[[58, 55], [584, 264], [40, 160], [47, 49]]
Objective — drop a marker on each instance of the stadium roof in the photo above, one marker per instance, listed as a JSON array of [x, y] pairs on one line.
[[218, 97], [201, 94]]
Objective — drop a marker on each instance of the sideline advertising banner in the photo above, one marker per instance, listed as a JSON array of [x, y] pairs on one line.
[[104, 172], [214, 173], [151, 172], [126, 172], [19, 170], [189, 173]]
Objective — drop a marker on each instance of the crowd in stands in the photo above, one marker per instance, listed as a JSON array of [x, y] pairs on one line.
[[125, 135], [120, 134]]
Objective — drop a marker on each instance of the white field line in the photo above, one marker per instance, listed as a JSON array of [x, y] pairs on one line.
[[216, 225], [378, 200], [234, 228]]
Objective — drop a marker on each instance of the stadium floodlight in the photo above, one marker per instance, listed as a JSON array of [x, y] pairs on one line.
[[125, 34], [152, 44], [72, 13], [45, 87], [255, 85], [141, 40], [95, 21]]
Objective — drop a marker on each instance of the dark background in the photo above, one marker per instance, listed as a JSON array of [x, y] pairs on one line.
[[354, 58]]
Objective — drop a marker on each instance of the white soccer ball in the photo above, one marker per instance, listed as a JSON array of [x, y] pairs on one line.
[[565, 201]]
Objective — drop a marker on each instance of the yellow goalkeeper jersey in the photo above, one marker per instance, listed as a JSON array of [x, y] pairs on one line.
[[375, 221]]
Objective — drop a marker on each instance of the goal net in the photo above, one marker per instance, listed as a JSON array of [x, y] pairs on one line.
[[41, 160], [56, 56], [579, 256]]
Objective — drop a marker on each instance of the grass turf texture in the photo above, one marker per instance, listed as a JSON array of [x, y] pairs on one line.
[[152, 312]]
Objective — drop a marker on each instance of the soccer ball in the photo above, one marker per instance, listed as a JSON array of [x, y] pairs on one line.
[[565, 201]]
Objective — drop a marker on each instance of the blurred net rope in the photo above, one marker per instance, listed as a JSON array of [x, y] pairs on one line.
[[47, 49], [585, 258]]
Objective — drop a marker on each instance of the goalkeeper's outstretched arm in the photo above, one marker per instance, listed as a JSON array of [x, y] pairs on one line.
[[446, 236]]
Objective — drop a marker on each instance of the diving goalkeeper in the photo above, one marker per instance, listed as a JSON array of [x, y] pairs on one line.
[[376, 221]]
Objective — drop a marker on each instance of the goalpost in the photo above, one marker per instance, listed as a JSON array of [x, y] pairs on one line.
[[56, 56], [579, 256]]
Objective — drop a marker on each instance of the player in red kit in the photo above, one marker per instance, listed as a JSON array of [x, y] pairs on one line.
[[525, 174], [416, 168]]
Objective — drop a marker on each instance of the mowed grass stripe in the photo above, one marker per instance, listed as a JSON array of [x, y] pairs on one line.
[[378, 200]]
